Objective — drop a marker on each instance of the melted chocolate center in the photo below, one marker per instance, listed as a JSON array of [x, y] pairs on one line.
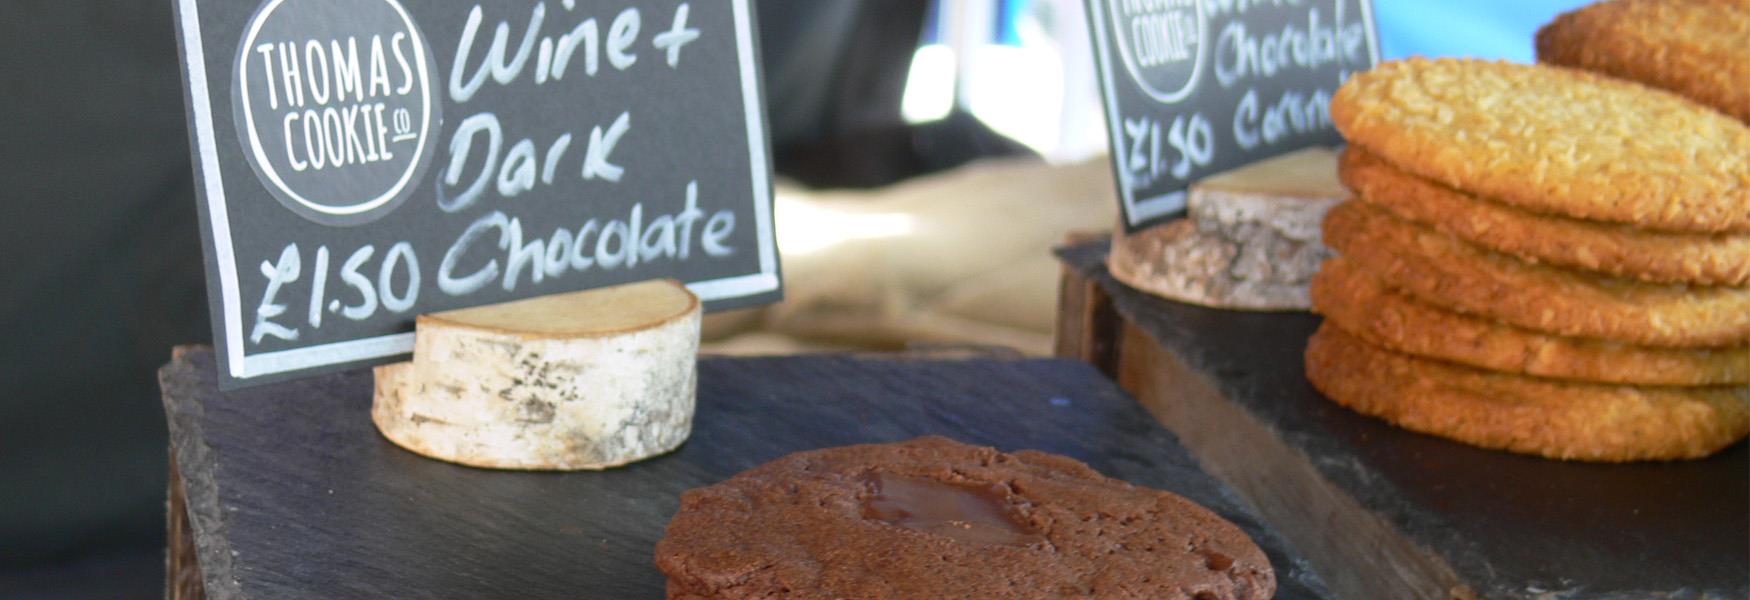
[[968, 513]]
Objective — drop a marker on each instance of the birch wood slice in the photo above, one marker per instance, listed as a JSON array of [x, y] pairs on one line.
[[579, 381], [1251, 239]]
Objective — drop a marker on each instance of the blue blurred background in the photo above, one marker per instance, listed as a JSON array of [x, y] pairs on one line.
[[1024, 67], [1481, 28]]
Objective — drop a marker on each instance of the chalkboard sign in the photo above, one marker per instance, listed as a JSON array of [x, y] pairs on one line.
[[1197, 87], [364, 161]]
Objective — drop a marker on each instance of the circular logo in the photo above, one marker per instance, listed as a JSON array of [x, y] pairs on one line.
[[1162, 44], [334, 106]]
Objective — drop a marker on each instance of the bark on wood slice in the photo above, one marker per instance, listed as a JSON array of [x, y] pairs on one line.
[[1251, 240], [579, 381]]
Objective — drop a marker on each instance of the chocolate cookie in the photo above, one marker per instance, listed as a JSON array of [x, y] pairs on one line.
[[934, 518], [1554, 140], [1697, 48]]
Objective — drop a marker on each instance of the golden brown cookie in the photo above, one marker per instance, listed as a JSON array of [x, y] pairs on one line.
[[1441, 270], [1697, 48], [1554, 140], [1554, 419], [1361, 306], [1615, 249]]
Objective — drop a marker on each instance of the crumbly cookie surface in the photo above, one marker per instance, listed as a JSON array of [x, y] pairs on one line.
[[1438, 269], [1529, 415], [1358, 304], [1696, 48], [1554, 140], [812, 525], [1610, 248]]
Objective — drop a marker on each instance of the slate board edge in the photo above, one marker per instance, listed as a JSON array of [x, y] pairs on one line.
[[1309, 511], [1089, 259], [201, 494], [189, 380]]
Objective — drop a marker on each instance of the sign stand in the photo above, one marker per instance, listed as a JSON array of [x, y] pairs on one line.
[[1195, 87], [580, 381], [365, 161]]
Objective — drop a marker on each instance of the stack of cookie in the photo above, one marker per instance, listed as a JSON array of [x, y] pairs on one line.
[[1697, 48], [1540, 260]]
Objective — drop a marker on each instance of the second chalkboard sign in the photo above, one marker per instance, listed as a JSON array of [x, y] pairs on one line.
[[365, 161], [1196, 87]]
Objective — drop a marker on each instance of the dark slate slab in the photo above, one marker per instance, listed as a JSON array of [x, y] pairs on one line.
[[1511, 526], [293, 494]]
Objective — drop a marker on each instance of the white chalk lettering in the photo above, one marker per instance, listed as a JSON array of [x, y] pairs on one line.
[[554, 153], [580, 261], [313, 52], [523, 255], [278, 275], [1293, 113], [1240, 55], [587, 36], [461, 145], [379, 68], [399, 255], [400, 264], [558, 253], [553, 54], [1191, 139], [494, 63], [395, 42], [318, 287], [347, 77], [518, 174], [595, 159], [621, 35], [717, 229], [1164, 38], [468, 284], [266, 52], [677, 36], [349, 274], [610, 244]]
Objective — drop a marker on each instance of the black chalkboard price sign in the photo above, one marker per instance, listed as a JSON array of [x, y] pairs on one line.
[[364, 161], [1196, 87]]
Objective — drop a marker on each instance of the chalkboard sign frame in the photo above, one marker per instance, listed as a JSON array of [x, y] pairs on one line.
[[232, 191], [1159, 139]]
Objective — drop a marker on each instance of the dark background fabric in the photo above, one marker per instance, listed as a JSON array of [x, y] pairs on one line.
[[102, 272], [102, 264], [835, 75]]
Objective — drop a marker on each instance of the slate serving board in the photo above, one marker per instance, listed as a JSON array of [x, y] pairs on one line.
[[1511, 526], [292, 493]]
